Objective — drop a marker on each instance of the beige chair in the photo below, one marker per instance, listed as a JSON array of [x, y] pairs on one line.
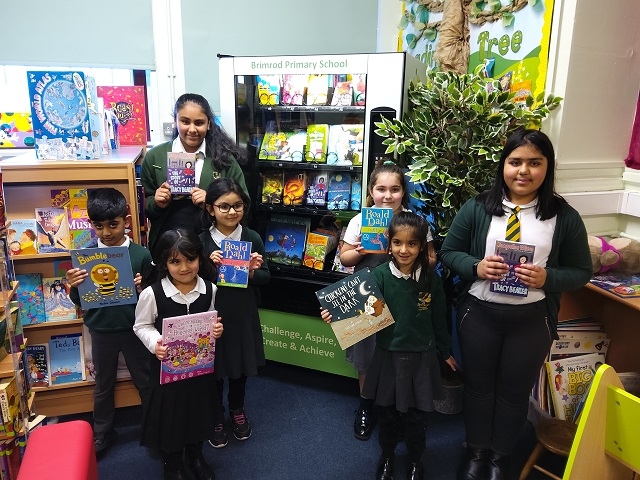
[[553, 435]]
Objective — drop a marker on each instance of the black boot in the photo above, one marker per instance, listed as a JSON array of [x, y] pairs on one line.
[[200, 468], [181, 474], [363, 423], [416, 471], [498, 466], [474, 464], [385, 468]]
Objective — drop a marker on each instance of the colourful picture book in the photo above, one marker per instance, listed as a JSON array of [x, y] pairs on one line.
[[624, 286], [568, 379], [181, 172], [317, 89], [285, 242], [233, 271], [53, 229], [345, 144], [342, 95], [22, 236], [16, 130], [110, 280], [356, 306], [514, 254], [191, 346], [317, 190], [272, 187], [37, 365], [359, 89], [129, 105], [316, 250], [60, 115], [317, 139], [81, 234], [295, 186], [293, 87], [10, 406], [57, 304], [30, 298], [355, 199], [572, 347], [375, 222], [268, 89], [293, 150], [339, 191], [66, 359], [61, 267]]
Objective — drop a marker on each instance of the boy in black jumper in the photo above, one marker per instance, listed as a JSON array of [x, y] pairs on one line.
[[112, 327]]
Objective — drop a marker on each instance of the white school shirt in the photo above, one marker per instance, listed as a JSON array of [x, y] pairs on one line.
[[147, 309], [177, 147], [217, 236]]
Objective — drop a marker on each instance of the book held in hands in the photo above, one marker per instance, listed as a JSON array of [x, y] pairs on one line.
[[514, 254], [233, 271], [356, 306], [191, 346], [181, 172], [373, 233]]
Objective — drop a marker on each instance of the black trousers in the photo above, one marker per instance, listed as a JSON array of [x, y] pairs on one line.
[[502, 348], [395, 427], [235, 395]]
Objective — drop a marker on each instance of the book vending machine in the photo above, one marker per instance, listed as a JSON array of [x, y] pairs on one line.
[[307, 123]]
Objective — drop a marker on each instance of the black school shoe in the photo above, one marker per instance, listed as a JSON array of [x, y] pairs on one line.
[[103, 440], [363, 424]]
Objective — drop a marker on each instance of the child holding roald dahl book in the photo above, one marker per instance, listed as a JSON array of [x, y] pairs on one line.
[[179, 416], [403, 378], [111, 328]]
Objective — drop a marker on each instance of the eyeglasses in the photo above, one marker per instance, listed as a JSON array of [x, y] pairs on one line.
[[225, 207]]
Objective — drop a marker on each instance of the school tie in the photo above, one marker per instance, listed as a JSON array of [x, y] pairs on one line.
[[513, 226]]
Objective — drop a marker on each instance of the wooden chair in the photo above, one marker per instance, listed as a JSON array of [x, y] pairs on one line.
[[607, 442], [553, 435]]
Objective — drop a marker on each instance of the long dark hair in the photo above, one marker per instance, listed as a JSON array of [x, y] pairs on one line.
[[549, 201], [419, 229], [219, 146], [172, 243], [217, 189], [390, 167]]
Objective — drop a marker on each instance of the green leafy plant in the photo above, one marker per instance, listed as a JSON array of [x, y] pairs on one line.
[[452, 137]]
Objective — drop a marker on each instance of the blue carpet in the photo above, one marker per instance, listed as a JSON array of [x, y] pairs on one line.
[[302, 429]]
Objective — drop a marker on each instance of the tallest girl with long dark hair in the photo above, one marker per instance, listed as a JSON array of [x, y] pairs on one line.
[[504, 338]]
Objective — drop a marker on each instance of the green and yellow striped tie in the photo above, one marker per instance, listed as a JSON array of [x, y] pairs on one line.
[[513, 226]]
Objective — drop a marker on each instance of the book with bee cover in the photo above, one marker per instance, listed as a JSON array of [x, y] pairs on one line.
[[191, 346]]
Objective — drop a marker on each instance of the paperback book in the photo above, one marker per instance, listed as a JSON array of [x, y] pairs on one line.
[[10, 406], [233, 270], [191, 346], [316, 250], [295, 185], [345, 144], [339, 191], [572, 347], [317, 89], [317, 139], [57, 304], [30, 298], [110, 279], [274, 146], [342, 95], [514, 254], [355, 199], [317, 191], [53, 229], [359, 89], [66, 359], [181, 173], [272, 187], [293, 87], [268, 89], [38, 365], [356, 306], [285, 242], [624, 286], [22, 237], [374, 236]]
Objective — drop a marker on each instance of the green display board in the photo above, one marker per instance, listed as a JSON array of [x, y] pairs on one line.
[[303, 341]]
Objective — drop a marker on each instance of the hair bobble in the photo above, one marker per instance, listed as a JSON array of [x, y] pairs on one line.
[[389, 162]]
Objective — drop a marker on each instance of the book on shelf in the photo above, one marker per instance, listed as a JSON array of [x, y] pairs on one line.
[[191, 346], [568, 379], [272, 187], [37, 365], [284, 218], [623, 286], [110, 279], [129, 105], [181, 172], [317, 89], [315, 253], [5, 337], [284, 146], [81, 233], [22, 236], [295, 186], [268, 87], [61, 267], [317, 140], [345, 144], [342, 95], [337, 264], [18, 129], [30, 298], [293, 87], [317, 190], [57, 304], [514, 254], [3, 211], [13, 457], [66, 359], [359, 84], [573, 347], [339, 191], [15, 323], [60, 115], [355, 198], [356, 306], [95, 105], [53, 229], [285, 242], [233, 270], [10, 405], [374, 237]]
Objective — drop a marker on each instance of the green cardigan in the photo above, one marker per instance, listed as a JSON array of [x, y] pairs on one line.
[[568, 267], [154, 174]]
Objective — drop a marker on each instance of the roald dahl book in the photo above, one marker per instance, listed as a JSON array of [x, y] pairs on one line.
[[513, 254], [109, 281], [356, 307], [375, 222], [233, 270], [66, 359], [191, 346]]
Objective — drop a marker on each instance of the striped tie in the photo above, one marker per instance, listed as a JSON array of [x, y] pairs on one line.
[[513, 226]]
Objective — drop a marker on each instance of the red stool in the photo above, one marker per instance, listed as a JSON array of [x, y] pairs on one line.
[[60, 451]]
